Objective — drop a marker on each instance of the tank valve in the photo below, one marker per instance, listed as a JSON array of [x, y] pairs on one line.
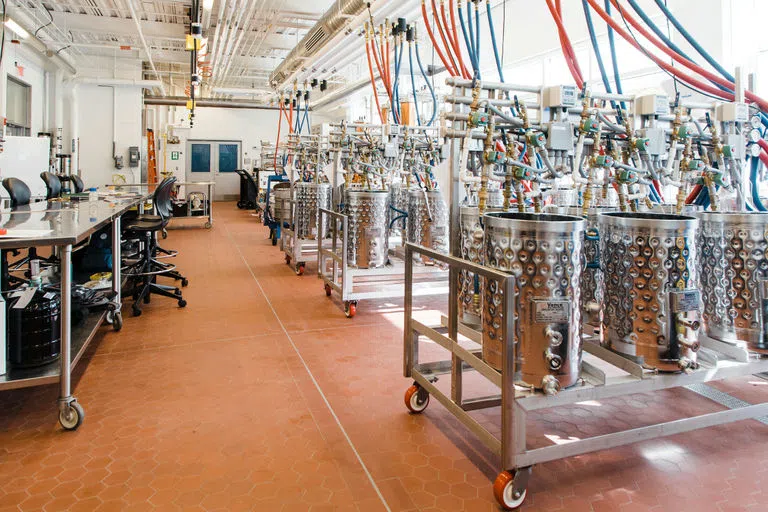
[[694, 345], [555, 337], [550, 385], [555, 361], [691, 324]]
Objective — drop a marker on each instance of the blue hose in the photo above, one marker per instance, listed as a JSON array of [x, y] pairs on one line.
[[473, 42], [477, 41], [596, 49], [395, 91], [614, 60], [467, 42], [688, 37], [413, 83], [656, 30], [754, 166], [493, 41], [429, 85]]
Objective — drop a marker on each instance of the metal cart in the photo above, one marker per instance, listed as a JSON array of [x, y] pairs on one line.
[[67, 229], [210, 185], [356, 284], [717, 361]]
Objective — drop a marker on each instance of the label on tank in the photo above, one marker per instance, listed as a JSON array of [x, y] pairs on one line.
[[684, 301], [437, 230], [551, 311], [372, 232]]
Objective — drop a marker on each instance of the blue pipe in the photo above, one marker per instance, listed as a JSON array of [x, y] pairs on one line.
[[467, 42], [614, 60], [395, 91], [473, 54], [429, 85], [413, 83], [596, 49], [754, 166], [688, 37], [493, 41]]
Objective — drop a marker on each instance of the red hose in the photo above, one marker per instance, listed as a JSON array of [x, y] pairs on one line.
[[373, 80], [456, 46], [764, 158], [432, 38], [685, 62], [763, 144], [571, 52], [692, 196], [567, 48], [657, 187], [671, 69], [387, 68], [447, 46], [277, 143], [290, 119], [381, 72]]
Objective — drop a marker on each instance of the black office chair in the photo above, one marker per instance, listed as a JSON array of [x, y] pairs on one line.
[[147, 268], [18, 191], [52, 185], [77, 183]]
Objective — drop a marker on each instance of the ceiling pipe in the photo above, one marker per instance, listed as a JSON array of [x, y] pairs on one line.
[[118, 82], [253, 5], [224, 37], [336, 21], [261, 37], [182, 101], [147, 49]]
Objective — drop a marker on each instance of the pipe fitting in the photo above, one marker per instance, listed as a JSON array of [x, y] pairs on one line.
[[550, 385], [554, 361]]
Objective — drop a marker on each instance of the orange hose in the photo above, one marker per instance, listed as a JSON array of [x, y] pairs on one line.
[[373, 80], [277, 143], [432, 38], [565, 43], [456, 46], [447, 46]]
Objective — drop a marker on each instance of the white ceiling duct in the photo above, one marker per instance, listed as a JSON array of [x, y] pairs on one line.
[[334, 21]]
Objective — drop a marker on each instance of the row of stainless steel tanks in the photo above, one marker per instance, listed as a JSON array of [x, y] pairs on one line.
[[420, 216], [639, 283]]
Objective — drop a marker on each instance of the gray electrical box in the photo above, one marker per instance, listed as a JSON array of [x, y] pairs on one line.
[[560, 136], [133, 156]]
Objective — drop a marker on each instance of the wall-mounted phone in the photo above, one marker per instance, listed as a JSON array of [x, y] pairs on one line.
[[133, 156]]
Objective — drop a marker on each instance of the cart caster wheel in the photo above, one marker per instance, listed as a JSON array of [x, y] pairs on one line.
[[72, 416], [274, 241], [240, 205], [182, 303], [300, 269], [416, 399], [208, 225], [504, 491], [287, 260], [164, 234], [327, 290], [350, 309], [117, 321], [184, 282], [177, 291]]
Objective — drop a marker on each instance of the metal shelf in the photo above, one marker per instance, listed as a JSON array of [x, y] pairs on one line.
[[82, 335]]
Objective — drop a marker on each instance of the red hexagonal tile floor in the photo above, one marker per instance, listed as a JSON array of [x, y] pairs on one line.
[[261, 395]]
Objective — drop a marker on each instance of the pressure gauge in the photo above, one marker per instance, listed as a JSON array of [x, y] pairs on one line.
[[754, 150], [754, 134], [755, 122]]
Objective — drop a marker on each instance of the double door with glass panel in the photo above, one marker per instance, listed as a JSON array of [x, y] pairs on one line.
[[215, 161]]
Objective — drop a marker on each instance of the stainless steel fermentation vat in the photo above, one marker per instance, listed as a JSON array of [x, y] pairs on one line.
[[428, 220], [367, 242], [310, 197], [544, 252]]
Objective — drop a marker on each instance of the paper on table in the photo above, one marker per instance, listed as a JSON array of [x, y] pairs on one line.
[[25, 233]]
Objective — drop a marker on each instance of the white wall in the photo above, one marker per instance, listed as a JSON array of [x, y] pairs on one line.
[[32, 74]]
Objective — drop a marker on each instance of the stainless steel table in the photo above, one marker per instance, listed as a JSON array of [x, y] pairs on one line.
[[210, 185], [68, 223]]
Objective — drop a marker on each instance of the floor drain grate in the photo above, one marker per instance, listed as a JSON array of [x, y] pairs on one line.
[[722, 398]]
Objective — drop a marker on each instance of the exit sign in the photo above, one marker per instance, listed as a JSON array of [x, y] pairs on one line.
[[174, 155]]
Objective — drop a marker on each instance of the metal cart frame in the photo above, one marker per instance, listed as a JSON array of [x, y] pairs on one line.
[[356, 284], [209, 184], [718, 361]]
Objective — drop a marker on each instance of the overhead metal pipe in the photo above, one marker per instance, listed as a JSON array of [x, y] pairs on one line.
[[147, 49], [182, 101]]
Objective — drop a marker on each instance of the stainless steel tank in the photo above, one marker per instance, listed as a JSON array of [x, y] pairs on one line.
[[544, 252], [733, 272], [367, 239], [310, 197], [282, 203], [592, 277], [428, 220], [651, 303], [470, 288]]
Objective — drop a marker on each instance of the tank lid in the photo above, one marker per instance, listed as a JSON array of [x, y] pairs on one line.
[[535, 221], [648, 220]]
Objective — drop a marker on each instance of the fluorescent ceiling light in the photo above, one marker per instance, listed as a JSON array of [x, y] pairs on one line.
[[207, 5], [16, 28]]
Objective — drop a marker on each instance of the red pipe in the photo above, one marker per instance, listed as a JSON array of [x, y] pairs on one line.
[[379, 68], [290, 120], [432, 38], [373, 80], [567, 48], [763, 144], [447, 46], [571, 52], [456, 46], [387, 67], [764, 158], [671, 69]]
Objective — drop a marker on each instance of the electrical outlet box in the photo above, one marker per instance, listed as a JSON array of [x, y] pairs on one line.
[[657, 141], [652, 105], [737, 144], [133, 156], [390, 150], [560, 96], [732, 113], [560, 136]]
